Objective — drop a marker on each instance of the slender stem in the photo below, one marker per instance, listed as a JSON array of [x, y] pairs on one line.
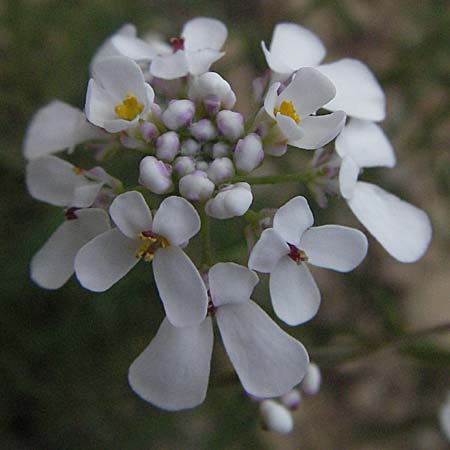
[[205, 234], [273, 179]]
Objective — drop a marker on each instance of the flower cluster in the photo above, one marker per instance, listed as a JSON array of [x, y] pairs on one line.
[[160, 100]]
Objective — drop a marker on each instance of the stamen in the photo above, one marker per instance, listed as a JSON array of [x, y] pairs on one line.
[[287, 109], [78, 170], [129, 108], [296, 254], [69, 213], [177, 44], [151, 243]]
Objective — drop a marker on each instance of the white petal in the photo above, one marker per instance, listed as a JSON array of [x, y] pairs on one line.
[[334, 247], [293, 219], [131, 214], [200, 61], [85, 195], [290, 129], [348, 176], [444, 419], [294, 293], [133, 47], [55, 127], [270, 100], [105, 260], [366, 143], [266, 253], [203, 32], [231, 283], [180, 287], [401, 228], [357, 90], [176, 220], [276, 63], [309, 91], [53, 264], [100, 106], [319, 130], [169, 67], [173, 371], [269, 362]]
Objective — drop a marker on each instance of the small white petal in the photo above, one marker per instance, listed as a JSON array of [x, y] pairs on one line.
[[133, 47], [401, 228], [334, 247], [105, 260], [290, 129], [270, 100], [231, 283], [176, 220], [348, 177], [53, 264], [444, 419], [85, 195], [275, 417], [203, 32], [200, 61], [312, 381], [319, 130], [169, 67], [266, 253], [268, 362], [294, 293], [131, 214], [293, 219], [366, 143], [276, 63], [358, 92], [173, 371], [180, 287], [100, 106]]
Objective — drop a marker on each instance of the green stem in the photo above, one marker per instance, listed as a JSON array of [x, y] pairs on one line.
[[273, 179]]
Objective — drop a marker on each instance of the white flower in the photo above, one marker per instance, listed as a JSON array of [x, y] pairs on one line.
[[55, 127], [284, 249], [111, 255], [444, 418], [275, 417], [231, 201], [173, 371], [193, 53], [401, 228], [357, 90], [293, 110], [117, 95]]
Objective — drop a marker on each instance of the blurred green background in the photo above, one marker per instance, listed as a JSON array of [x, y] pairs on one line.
[[65, 354]]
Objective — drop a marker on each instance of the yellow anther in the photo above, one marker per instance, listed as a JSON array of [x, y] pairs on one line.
[[151, 243], [287, 109], [78, 170], [129, 108]]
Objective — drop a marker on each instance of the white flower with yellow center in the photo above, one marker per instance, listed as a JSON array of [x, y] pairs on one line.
[[284, 250], [293, 110], [117, 95], [111, 255]]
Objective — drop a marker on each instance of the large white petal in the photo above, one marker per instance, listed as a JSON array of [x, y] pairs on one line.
[[85, 194], [173, 371], [293, 219], [290, 129], [366, 143], [169, 67], [309, 91], [203, 32], [357, 90], [133, 47], [105, 260], [199, 61], [53, 264], [55, 127], [267, 251], [294, 293], [334, 247], [348, 177], [444, 419], [231, 283], [176, 220], [319, 130], [268, 362], [180, 287], [100, 105], [130, 213], [270, 100], [277, 64], [401, 228]]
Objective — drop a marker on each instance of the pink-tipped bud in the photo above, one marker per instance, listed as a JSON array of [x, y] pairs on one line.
[[148, 131], [183, 165], [211, 85], [231, 201], [248, 153], [189, 147], [196, 186], [292, 399], [312, 381], [220, 169], [167, 146], [155, 175], [220, 149], [230, 124], [203, 130], [178, 114], [212, 104], [275, 417], [275, 149]]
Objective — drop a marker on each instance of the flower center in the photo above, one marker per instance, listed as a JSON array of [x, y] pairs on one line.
[[296, 254], [129, 108], [150, 243], [177, 44], [287, 109], [70, 213]]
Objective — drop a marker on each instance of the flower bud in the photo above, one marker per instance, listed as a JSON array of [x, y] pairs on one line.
[[167, 146], [212, 86], [248, 153], [220, 169], [275, 417], [212, 104], [178, 114], [183, 165], [148, 131], [201, 165], [231, 201], [220, 149], [275, 149], [292, 399], [230, 124], [196, 186], [155, 175], [203, 130], [312, 381], [130, 141], [189, 147]]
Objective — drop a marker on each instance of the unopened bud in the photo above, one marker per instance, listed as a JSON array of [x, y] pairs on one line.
[[275, 417], [231, 201], [148, 131], [130, 141], [312, 381], [275, 149], [196, 186], [201, 165], [220, 149], [292, 399], [248, 153], [230, 124], [189, 147], [183, 165], [178, 114], [155, 175], [203, 130], [220, 169], [211, 87], [167, 146]]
